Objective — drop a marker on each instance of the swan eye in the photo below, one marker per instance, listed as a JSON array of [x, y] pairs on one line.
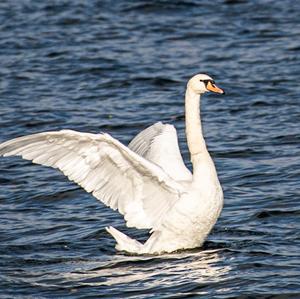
[[206, 82]]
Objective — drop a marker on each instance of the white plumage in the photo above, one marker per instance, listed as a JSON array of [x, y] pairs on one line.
[[159, 144], [147, 181]]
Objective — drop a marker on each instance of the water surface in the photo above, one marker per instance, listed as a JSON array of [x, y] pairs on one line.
[[117, 67]]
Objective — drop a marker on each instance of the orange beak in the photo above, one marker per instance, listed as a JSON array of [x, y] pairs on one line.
[[214, 88]]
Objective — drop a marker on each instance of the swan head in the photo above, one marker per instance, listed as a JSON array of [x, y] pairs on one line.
[[202, 83]]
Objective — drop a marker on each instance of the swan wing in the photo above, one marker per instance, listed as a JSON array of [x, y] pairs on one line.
[[114, 174], [159, 144]]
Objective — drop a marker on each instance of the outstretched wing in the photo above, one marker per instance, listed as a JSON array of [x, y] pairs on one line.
[[159, 144], [120, 178]]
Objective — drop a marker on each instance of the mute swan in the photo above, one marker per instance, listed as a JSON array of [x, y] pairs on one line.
[[147, 181]]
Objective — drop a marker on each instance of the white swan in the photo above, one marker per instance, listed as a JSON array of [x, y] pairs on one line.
[[147, 181]]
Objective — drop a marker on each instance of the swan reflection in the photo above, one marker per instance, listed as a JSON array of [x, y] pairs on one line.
[[197, 267]]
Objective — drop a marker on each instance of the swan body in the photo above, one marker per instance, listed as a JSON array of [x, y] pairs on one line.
[[147, 181]]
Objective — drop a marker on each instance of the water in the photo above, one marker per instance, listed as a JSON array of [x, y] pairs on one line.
[[117, 67]]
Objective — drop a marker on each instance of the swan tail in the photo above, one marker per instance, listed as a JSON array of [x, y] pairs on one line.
[[124, 243]]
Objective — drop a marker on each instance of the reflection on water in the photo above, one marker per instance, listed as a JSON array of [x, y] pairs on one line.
[[199, 266], [171, 271]]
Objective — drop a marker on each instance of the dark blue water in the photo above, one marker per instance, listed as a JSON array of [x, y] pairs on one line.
[[117, 67]]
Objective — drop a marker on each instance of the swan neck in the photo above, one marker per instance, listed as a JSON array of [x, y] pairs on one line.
[[195, 139], [204, 171]]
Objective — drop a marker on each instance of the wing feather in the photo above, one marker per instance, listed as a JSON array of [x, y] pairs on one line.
[[114, 174], [159, 144]]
